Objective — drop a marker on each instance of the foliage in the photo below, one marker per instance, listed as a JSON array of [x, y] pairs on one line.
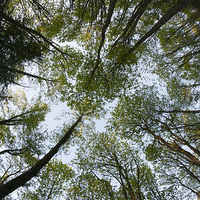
[[112, 169], [50, 183], [166, 132], [151, 144]]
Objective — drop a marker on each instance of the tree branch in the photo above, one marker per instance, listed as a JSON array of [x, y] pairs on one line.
[[179, 111], [175, 147], [14, 152], [105, 26], [31, 31], [137, 13]]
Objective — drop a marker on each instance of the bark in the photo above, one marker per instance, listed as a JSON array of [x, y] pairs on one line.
[[166, 17], [20, 180]]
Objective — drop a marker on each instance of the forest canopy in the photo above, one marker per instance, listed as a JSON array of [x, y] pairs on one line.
[[84, 54]]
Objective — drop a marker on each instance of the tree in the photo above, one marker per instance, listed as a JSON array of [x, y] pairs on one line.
[[111, 63], [117, 39], [22, 133], [23, 44], [20, 180], [87, 186], [105, 160], [172, 135], [50, 182]]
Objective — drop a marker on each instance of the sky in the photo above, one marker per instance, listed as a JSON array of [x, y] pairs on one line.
[[55, 118]]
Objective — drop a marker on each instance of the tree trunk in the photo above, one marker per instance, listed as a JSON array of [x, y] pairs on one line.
[[166, 17], [20, 180], [137, 13]]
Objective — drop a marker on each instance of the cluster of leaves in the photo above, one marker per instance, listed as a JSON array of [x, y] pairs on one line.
[[49, 183], [150, 149], [110, 167]]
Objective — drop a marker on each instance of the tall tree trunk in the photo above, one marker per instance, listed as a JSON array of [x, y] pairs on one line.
[[20, 180], [166, 17], [132, 23]]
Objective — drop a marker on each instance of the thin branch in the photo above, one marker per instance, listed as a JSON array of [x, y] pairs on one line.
[[14, 152], [192, 85], [175, 147], [107, 186], [185, 185], [105, 26], [137, 13], [28, 74], [13, 120], [179, 139], [178, 111], [31, 31]]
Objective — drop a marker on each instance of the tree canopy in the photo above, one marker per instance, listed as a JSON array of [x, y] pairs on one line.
[[150, 148]]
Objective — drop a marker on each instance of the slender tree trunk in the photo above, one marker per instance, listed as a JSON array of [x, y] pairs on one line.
[[121, 175], [136, 15], [20, 180], [109, 16], [166, 17], [103, 35]]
